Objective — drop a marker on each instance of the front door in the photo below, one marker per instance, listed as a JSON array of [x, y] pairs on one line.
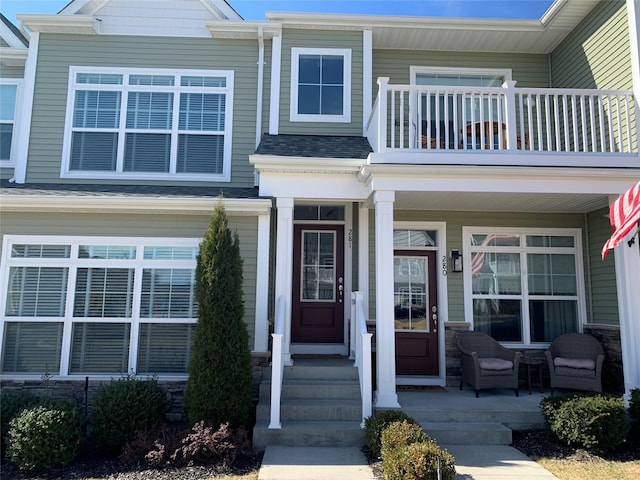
[[416, 312], [317, 314]]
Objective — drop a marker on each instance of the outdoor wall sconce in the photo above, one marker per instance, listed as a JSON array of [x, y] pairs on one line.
[[456, 261]]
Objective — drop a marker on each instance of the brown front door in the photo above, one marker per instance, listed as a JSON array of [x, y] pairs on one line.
[[317, 314], [416, 312]]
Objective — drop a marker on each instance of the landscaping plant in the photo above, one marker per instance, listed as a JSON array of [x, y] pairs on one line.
[[596, 423], [45, 436], [375, 425], [11, 404], [220, 380]]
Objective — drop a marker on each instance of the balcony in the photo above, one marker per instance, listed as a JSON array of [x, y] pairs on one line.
[[418, 124]]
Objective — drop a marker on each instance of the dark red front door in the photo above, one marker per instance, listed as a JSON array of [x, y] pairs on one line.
[[317, 314], [415, 312]]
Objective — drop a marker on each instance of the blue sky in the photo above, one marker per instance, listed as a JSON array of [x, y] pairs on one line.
[[254, 9]]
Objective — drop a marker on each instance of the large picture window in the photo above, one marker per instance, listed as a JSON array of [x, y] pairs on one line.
[[523, 287], [320, 85], [124, 123], [88, 306]]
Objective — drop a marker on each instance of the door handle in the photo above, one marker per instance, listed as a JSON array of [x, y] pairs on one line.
[[340, 289]]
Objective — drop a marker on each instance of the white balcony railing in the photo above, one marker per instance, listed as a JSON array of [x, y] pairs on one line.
[[361, 342], [277, 364], [418, 118]]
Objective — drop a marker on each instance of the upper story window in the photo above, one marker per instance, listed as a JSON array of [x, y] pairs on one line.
[[320, 85], [148, 124], [9, 96]]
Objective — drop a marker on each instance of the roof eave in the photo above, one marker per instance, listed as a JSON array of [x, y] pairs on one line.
[[83, 24]]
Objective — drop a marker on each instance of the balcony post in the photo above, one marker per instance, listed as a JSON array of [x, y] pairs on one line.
[[511, 120], [383, 82]]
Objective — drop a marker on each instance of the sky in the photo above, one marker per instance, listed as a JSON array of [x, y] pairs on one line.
[[255, 9]]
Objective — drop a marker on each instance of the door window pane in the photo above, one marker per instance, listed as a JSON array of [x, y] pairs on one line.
[[318, 266], [410, 293], [32, 347], [414, 238], [499, 318], [100, 348]]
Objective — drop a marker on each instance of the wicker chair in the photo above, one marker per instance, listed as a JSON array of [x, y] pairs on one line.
[[486, 363], [575, 362]]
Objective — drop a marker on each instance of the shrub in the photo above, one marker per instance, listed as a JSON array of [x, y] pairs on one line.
[[125, 406], [634, 404], [11, 404], [596, 423], [153, 446], [220, 381], [401, 434], [205, 443], [45, 436], [418, 461], [375, 425]]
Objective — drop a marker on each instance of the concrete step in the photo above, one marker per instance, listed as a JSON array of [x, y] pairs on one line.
[[318, 370], [313, 409], [515, 420], [293, 388], [468, 433], [310, 434]]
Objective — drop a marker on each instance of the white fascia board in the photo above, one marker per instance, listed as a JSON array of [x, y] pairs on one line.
[[13, 57], [242, 29], [276, 163], [83, 24], [146, 205], [73, 6], [444, 178], [11, 38], [319, 186]]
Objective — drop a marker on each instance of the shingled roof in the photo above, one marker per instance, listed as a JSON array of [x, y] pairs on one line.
[[318, 146]]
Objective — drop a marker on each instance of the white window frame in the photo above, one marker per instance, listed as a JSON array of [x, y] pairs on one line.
[[4, 163], [345, 53], [415, 70], [228, 90], [577, 251], [138, 265]]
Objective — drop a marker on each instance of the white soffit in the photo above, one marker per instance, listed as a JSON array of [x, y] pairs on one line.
[[454, 34]]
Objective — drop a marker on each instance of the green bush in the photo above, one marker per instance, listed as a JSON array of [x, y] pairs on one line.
[[418, 461], [45, 436], [375, 425], [220, 385], [401, 434], [596, 423], [634, 404], [125, 406], [11, 404]]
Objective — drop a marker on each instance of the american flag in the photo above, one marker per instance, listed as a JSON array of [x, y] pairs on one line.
[[477, 259], [624, 215]]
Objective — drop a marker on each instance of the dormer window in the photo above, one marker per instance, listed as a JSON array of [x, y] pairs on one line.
[[148, 124], [320, 85]]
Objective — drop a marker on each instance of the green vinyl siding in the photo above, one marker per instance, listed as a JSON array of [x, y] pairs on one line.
[[292, 38], [597, 53], [603, 293], [11, 72], [161, 226], [58, 52], [454, 222]]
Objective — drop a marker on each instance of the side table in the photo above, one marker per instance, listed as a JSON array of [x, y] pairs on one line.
[[533, 363]]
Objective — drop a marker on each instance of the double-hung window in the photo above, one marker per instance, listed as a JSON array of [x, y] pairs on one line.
[[523, 287], [9, 100], [97, 306], [148, 124], [320, 85]]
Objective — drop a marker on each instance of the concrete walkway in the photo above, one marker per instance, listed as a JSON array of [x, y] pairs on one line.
[[473, 462]]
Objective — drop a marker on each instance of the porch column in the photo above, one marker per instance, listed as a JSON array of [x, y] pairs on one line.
[[386, 396], [627, 260], [261, 333], [363, 256], [284, 267]]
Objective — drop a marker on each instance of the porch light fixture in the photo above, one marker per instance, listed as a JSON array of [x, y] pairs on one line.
[[456, 261]]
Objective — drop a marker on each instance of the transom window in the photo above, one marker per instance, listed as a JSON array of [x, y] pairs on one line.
[[87, 306], [320, 85], [523, 287], [9, 94], [125, 123]]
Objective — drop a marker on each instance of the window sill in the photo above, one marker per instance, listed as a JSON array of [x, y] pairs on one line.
[[186, 177]]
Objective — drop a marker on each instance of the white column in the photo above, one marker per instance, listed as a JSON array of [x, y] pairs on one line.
[[627, 260], [363, 256], [633, 18], [386, 396], [284, 267], [367, 77], [261, 334], [274, 94]]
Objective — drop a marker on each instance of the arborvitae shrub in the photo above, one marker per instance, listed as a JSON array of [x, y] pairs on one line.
[[418, 461], [401, 434], [220, 379], [45, 436], [596, 423], [375, 425], [11, 404], [125, 406]]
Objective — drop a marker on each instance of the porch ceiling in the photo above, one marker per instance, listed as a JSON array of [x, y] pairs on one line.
[[500, 202]]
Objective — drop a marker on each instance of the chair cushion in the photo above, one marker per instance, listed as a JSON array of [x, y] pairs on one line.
[[583, 363], [575, 372], [495, 364]]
